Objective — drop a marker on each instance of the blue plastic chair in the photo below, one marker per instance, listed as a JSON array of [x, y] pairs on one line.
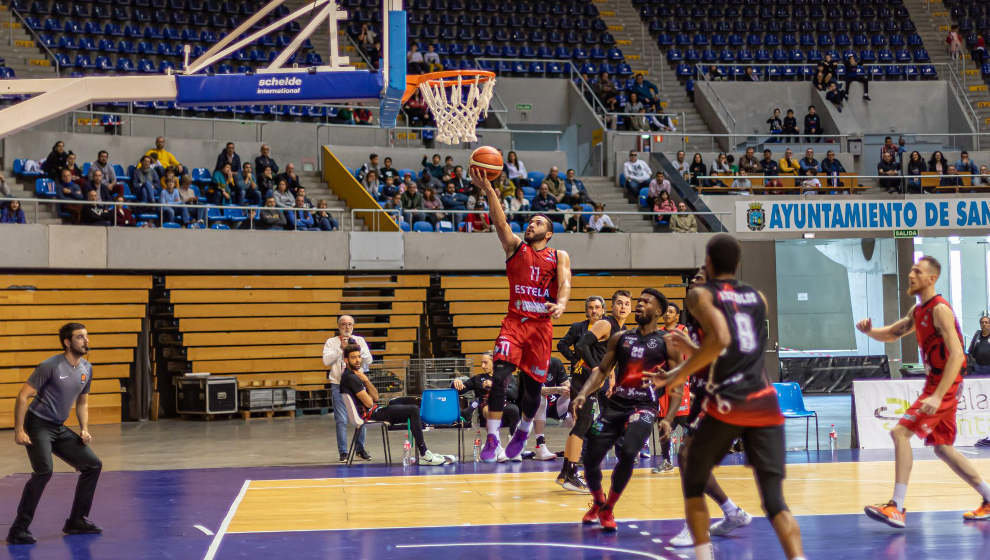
[[423, 226], [441, 407], [791, 403]]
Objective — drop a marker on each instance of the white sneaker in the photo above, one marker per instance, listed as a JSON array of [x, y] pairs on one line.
[[544, 454], [730, 523], [683, 538], [500, 455], [431, 459]]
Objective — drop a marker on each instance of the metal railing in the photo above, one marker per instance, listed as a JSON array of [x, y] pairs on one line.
[[34, 36], [749, 140]]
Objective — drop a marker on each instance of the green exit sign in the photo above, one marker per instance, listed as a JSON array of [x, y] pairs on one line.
[[524, 107], [905, 233]]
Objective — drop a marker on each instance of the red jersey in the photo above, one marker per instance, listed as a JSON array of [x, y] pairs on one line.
[[933, 350], [532, 278]]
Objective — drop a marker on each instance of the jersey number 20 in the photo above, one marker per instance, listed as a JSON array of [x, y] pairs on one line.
[[745, 332]]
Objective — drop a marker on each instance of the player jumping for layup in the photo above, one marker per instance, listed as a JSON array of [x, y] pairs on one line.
[[628, 414], [539, 287], [740, 401], [933, 415]]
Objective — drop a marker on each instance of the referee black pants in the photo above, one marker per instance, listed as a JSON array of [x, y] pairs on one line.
[[47, 439]]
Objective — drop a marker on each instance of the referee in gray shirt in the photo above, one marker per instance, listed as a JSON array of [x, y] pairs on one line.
[[56, 384]]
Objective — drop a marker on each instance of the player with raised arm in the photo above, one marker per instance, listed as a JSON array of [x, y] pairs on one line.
[[539, 287], [740, 401], [628, 414], [933, 415]]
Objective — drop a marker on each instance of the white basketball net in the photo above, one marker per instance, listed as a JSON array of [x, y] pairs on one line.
[[455, 110]]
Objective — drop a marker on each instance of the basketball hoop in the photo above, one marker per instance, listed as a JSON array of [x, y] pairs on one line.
[[457, 98]]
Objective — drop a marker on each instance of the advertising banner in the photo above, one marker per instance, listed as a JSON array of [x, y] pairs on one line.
[[880, 404], [277, 88], [862, 215]]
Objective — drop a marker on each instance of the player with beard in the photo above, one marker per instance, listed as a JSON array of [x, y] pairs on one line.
[[740, 401], [686, 342], [539, 288], [591, 348], [628, 414]]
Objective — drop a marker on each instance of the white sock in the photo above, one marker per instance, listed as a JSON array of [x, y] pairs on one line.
[[984, 490], [900, 493], [524, 425], [493, 426], [798, 558], [704, 551], [729, 508]]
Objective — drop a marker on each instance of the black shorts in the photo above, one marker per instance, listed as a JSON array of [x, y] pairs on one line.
[[711, 442], [613, 421]]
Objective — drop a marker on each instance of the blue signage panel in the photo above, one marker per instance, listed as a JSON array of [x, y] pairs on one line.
[[267, 89]]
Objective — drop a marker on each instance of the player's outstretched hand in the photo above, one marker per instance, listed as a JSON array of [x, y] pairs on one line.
[[865, 326], [479, 179]]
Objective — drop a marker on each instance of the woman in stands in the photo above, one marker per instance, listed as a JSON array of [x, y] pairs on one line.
[[720, 167], [697, 169], [513, 205], [776, 125], [432, 202], [55, 161], [223, 185], [600, 221], [124, 216], [915, 167], [517, 170], [13, 214], [77, 175], [283, 198], [938, 164], [370, 184], [666, 207]]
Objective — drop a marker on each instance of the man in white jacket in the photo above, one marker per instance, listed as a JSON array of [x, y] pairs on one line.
[[333, 359], [637, 174]]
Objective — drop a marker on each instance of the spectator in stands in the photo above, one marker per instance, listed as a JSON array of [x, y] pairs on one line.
[[448, 167], [790, 130], [646, 90], [638, 174], [415, 61], [503, 186], [901, 149], [606, 93], [55, 161], [224, 186], [660, 184], [775, 125], [478, 221], [517, 170], [683, 223], [291, 178], [831, 67], [891, 172], [144, 180], [459, 178], [637, 120], [980, 50], [819, 81], [832, 167], [574, 221], [302, 191], [170, 195], [748, 163], [283, 198], [228, 155], [426, 179], [915, 167], [94, 214], [323, 218], [67, 189], [123, 215], [789, 165], [681, 164], [96, 183], [388, 189], [715, 74], [394, 204], [812, 125], [108, 178], [600, 222], [544, 201], [664, 206], [888, 147], [334, 360], [433, 167], [415, 110], [362, 115], [954, 41], [966, 165], [808, 165], [244, 183], [369, 166], [164, 157], [166, 176], [835, 96], [302, 218], [271, 217], [366, 37], [432, 202], [453, 200], [951, 178], [770, 169], [77, 174], [555, 184], [853, 74], [749, 75], [371, 184], [983, 179], [937, 163], [514, 205], [432, 59], [13, 213], [386, 170], [188, 196], [721, 167], [412, 200], [264, 161], [266, 182]]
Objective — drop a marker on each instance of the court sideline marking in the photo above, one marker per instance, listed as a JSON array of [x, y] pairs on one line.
[[215, 545], [556, 545]]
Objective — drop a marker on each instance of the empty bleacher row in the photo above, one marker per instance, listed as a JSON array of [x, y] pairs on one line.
[[477, 304], [973, 18], [34, 307]]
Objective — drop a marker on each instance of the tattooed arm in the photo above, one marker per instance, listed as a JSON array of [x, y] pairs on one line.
[[901, 328]]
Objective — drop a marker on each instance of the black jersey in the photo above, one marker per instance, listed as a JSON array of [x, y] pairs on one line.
[[599, 348], [696, 383], [556, 376], [739, 371], [635, 355]]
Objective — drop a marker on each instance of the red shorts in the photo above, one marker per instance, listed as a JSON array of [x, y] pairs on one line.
[[526, 344], [936, 429]]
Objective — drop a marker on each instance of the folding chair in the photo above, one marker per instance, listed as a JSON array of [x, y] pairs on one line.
[[441, 407], [355, 419], [792, 406]]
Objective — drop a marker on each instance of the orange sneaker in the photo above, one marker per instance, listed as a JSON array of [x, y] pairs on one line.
[[607, 520], [592, 516], [978, 514], [887, 513]]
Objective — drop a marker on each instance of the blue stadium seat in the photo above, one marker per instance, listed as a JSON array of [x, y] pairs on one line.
[[895, 72], [921, 55], [45, 188], [423, 226]]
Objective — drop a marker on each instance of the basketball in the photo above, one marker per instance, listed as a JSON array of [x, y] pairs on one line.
[[487, 158]]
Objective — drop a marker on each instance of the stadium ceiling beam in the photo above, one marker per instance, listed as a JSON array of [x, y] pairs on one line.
[[54, 96]]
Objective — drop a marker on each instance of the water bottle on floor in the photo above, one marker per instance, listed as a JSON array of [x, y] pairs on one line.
[[477, 445], [407, 455], [833, 439]]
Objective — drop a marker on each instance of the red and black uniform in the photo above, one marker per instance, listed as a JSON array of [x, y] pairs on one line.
[[938, 428], [740, 401], [526, 337]]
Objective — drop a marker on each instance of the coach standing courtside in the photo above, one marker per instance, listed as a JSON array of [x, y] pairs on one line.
[[333, 359], [57, 384]]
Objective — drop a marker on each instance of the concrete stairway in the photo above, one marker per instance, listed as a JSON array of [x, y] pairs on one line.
[[643, 55], [24, 188], [604, 189], [317, 189], [933, 26], [19, 50]]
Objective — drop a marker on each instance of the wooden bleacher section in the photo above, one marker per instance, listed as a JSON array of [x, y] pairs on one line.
[[477, 304], [850, 183], [270, 330], [34, 307]]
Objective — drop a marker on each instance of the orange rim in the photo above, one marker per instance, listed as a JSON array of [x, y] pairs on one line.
[[445, 78]]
